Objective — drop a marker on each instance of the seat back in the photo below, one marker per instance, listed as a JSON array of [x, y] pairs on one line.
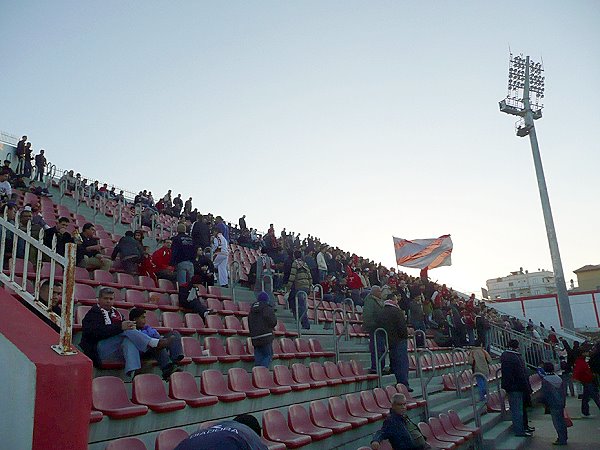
[[148, 388], [302, 345], [345, 369], [235, 347], [147, 282], [129, 443], [213, 321], [301, 373], [287, 346], [183, 385], [230, 305], [151, 319], [191, 346], [172, 320], [317, 372], [214, 346], [80, 313], [381, 398], [232, 323], [331, 370], [193, 320], [262, 377], [84, 292], [239, 380], [109, 393], [212, 382], [169, 439], [135, 297], [214, 304]]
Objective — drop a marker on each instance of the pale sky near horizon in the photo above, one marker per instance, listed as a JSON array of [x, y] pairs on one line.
[[349, 120]]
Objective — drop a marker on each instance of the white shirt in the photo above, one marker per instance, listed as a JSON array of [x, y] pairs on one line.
[[321, 263], [220, 244], [5, 189]]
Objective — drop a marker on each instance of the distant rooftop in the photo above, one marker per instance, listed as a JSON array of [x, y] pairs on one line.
[[587, 268]]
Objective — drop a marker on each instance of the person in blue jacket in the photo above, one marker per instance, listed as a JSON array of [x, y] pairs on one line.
[[241, 433], [554, 397], [399, 430]]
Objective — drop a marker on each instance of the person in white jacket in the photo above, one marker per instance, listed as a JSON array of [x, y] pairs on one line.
[[220, 249], [322, 264]]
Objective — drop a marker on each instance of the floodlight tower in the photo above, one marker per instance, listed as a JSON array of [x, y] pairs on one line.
[[524, 99]]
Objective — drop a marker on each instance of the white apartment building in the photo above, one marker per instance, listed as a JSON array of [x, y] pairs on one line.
[[521, 284]]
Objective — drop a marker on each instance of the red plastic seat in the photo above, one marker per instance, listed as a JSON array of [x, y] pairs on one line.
[[166, 285], [215, 348], [273, 445], [301, 374], [213, 383], [193, 320], [58, 271], [192, 349], [281, 328], [332, 372], [339, 411], [263, 378], [345, 369], [449, 428], [302, 346], [129, 443], [288, 347], [80, 313], [241, 381], [85, 295], [110, 397], [382, 399], [230, 305], [432, 440], [216, 291], [213, 321], [275, 428], [283, 377], [410, 400], [320, 416], [127, 281], [148, 389], [182, 386], [278, 353], [440, 433], [216, 306], [317, 372], [138, 299], [148, 283], [459, 425], [236, 347], [356, 408], [169, 439], [359, 370], [299, 422], [96, 416], [233, 323], [173, 320], [243, 308], [152, 320]]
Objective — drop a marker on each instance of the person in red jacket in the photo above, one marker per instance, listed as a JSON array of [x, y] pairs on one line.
[[583, 373], [161, 259]]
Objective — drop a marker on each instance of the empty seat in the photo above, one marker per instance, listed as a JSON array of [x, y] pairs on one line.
[[129, 443], [216, 291], [339, 412], [301, 374], [432, 440], [358, 369], [356, 408], [288, 347], [440, 433], [233, 323], [449, 428], [213, 321], [320, 415], [193, 320], [166, 285], [182, 386], [236, 347], [230, 305], [278, 353], [173, 320], [263, 378], [240, 381], [215, 348], [213, 383], [332, 372], [148, 389], [345, 368], [80, 313], [281, 328], [275, 428], [303, 347], [147, 283], [317, 372], [244, 308], [457, 423], [283, 377], [138, 299], [409, 398], [127, 281], [84, 294], [216, 306], [169, 439], [110, 397], [192, 349], [152, 320], [300, 422]]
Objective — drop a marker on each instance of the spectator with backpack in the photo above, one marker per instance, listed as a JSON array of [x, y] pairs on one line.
[[300, 280]]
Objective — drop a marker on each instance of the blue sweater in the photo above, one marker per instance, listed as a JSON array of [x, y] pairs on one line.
[[227, 435], [396, 429]]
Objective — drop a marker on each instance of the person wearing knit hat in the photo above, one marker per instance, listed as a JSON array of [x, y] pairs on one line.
[[261, 323]]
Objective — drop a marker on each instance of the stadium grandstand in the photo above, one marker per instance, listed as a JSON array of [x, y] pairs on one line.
[[68, 243]]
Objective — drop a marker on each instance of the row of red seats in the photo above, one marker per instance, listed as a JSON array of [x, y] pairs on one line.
[[440, 361], [464, 381]]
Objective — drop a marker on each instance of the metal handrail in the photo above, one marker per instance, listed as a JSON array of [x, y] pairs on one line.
[[349, 300], [262, 282], [424, 338], [65, 320], [542, 350], [425, 383], [336, 341], [380, 358], [315, 288], [477, 409], [316, 310], [345, 321], [462, 370], [500, 396], [298, 316]]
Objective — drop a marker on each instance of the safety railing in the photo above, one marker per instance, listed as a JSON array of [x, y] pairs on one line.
[[262, 282], [419, 333], [297, 312], [425, 381], [16, 241], [336, 338], [477, 408], [380, 359], [457, 375], [351, 302], [534, 351]]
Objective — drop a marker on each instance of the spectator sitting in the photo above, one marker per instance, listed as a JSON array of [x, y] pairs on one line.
[[38, 190], [262, 322], [34, 231], [6, 168], [162, 259], [130, 252], [5, 187], [10, 209], [62, 236], [167, 357], [147, 267], [54, 302], [106, 336], [241, 433], [399, 429], [89, 254], [190, 297], [37, 217], [204, 268]]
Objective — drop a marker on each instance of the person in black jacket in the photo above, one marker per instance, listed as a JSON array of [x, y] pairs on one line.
[[200, 233], [130, 252], [107, 336], [262, 322], [62, 236], [516, 384], [190, 296], [182, 255], [393, 322], [204, 268]]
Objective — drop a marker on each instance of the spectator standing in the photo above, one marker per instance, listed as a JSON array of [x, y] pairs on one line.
[[200, 232], [553, 396], [220, 250], [393, 322], [20, 152], [182, 255], [372, 313], [40, 165], [130, 252], [264, 267], [27, 167], [222, 227], [322, 264], [262, 322], [480, 361], [417, 316], [299, 280], [187, 207], [516, 384], [177, 205], [242, 223], [583, 373]]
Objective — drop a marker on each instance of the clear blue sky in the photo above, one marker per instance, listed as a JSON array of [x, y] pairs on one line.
[[352, 121]]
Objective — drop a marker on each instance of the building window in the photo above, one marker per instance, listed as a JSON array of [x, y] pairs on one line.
[[511, 283], [513, 296], [536, 292]]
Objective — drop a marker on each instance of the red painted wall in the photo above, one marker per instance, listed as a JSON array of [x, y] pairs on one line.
[[63, 396]]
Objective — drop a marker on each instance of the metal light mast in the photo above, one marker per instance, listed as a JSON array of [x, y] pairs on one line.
[[524, 99]]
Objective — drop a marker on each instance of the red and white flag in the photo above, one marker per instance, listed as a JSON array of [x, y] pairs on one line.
[[423, 253]]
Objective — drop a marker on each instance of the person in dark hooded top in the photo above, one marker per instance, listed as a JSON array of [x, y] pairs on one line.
[[261, 322]]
